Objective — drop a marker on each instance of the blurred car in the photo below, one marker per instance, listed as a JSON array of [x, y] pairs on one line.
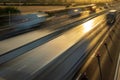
[[92, 8], [111, 17], [75, 12]]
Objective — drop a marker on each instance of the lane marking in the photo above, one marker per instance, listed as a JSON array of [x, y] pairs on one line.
[[117, 72]]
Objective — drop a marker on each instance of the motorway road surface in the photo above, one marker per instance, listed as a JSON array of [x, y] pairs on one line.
[[26, 65], [20, 40]]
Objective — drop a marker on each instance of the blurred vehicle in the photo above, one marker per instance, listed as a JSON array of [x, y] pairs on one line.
[[92, 8], [73, 4], [106, 6], [75, 12], [101, 8], [111, 17]]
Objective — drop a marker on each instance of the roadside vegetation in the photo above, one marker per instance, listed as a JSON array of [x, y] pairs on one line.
[[5, 15], [9, 10]]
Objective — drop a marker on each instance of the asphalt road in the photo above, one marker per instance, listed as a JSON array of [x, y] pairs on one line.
[[25, 38], [27, 65], [27, 47], [29, 37]]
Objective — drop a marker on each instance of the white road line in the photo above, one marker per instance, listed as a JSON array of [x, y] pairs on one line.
[[21, 67], [117, 72]]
